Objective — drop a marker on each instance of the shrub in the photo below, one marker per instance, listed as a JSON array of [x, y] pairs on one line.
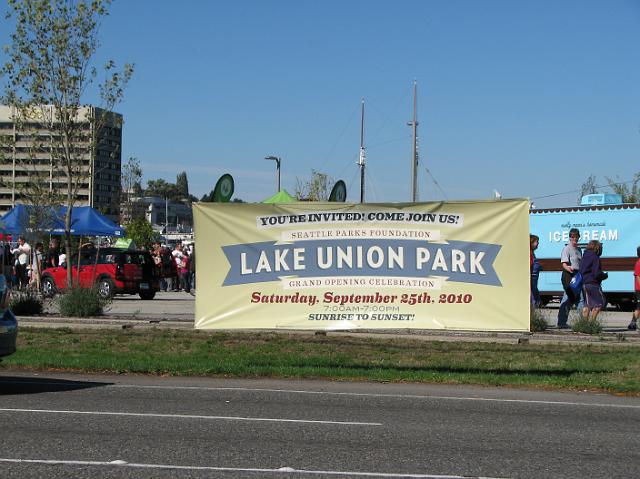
[[587, 325], [26, 303], [538, 323], [82, 302]]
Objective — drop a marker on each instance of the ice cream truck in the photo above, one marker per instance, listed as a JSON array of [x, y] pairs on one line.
[[600, 217]]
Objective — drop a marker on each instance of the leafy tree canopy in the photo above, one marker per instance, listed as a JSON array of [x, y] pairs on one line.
[[140, 231], [182, 184], [176, 192], [163, 189], [316, 188], [131, 177], [629, 190], [208, 198]]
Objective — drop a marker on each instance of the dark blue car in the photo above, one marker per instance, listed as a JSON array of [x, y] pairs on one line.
[[8, 323]]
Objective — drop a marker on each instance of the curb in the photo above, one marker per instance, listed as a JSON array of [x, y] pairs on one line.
[[611, 336]]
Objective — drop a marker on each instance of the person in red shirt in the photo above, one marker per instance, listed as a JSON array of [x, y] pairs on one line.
[[633, 325]]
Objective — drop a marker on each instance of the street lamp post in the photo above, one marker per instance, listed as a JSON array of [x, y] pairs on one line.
[[277, 160]]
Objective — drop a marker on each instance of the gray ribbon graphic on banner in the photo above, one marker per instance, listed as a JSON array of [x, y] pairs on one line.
[[459, 261]]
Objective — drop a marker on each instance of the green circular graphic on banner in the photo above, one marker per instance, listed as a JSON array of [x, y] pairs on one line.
[[223, 191], [339, 192]]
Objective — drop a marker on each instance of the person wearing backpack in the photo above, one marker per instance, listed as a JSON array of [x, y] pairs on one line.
[[592, 278], [570, 259]]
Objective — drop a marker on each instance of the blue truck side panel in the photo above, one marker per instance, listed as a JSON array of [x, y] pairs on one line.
[[617, 229]]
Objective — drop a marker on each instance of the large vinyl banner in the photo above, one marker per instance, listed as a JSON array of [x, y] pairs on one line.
[[332, 266]]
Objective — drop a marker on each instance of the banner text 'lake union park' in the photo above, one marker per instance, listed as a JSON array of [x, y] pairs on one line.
[[459, 261]]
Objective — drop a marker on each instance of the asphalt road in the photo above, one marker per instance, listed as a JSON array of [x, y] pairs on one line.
[[78, 426]]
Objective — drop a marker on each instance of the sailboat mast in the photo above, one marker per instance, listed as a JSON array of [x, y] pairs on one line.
[[362, 154], [414, 160]]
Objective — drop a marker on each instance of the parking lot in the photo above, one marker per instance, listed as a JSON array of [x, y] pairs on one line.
[[173, 306]]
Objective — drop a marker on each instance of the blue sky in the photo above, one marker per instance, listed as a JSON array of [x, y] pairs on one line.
[[527, 98]]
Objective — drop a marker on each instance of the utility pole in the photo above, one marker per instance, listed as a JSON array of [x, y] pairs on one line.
[[166, 218], [362, 154], [277, 160], [414, 161]]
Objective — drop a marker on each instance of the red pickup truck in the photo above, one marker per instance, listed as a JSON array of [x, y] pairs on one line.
[[113, 271]]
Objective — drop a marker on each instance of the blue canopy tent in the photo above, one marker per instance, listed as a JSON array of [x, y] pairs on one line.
[[85, 221], [13, 221], [18, 220]]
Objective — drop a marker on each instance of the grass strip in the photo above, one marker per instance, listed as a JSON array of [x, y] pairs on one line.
[[614, 369]]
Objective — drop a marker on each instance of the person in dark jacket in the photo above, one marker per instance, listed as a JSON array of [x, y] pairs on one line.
[[592, 277], [53, 255], [633, 325], [534, 268]]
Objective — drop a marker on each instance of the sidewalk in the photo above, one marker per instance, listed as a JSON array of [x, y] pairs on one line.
[[613, 334], [171, 310]]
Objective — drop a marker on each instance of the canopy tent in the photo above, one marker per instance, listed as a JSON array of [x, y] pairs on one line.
[[13, 220], [19, 219], [85, 221], [281, 196]]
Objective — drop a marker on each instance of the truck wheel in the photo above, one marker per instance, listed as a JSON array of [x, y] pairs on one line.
[[49, 289], [147, 294], [106, 288]]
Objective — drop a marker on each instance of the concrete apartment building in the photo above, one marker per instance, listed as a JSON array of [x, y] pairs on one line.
[[27, 151]]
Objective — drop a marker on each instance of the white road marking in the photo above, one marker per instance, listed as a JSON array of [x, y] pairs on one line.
[[189, 416], [391, 396], [282, 470], [332, 393]]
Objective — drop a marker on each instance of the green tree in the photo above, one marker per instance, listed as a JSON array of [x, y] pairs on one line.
[[316, 188], [629, 190], [588, 187], [162, 189], [208, 198], [49, 69], [141, 232], [182, 184], [131, 179]]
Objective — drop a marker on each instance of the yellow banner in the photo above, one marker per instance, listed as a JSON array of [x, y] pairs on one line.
[[333, 266]]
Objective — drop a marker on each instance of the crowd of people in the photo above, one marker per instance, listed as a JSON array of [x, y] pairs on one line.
[[177, 268], [23, 264], [582, 278]]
